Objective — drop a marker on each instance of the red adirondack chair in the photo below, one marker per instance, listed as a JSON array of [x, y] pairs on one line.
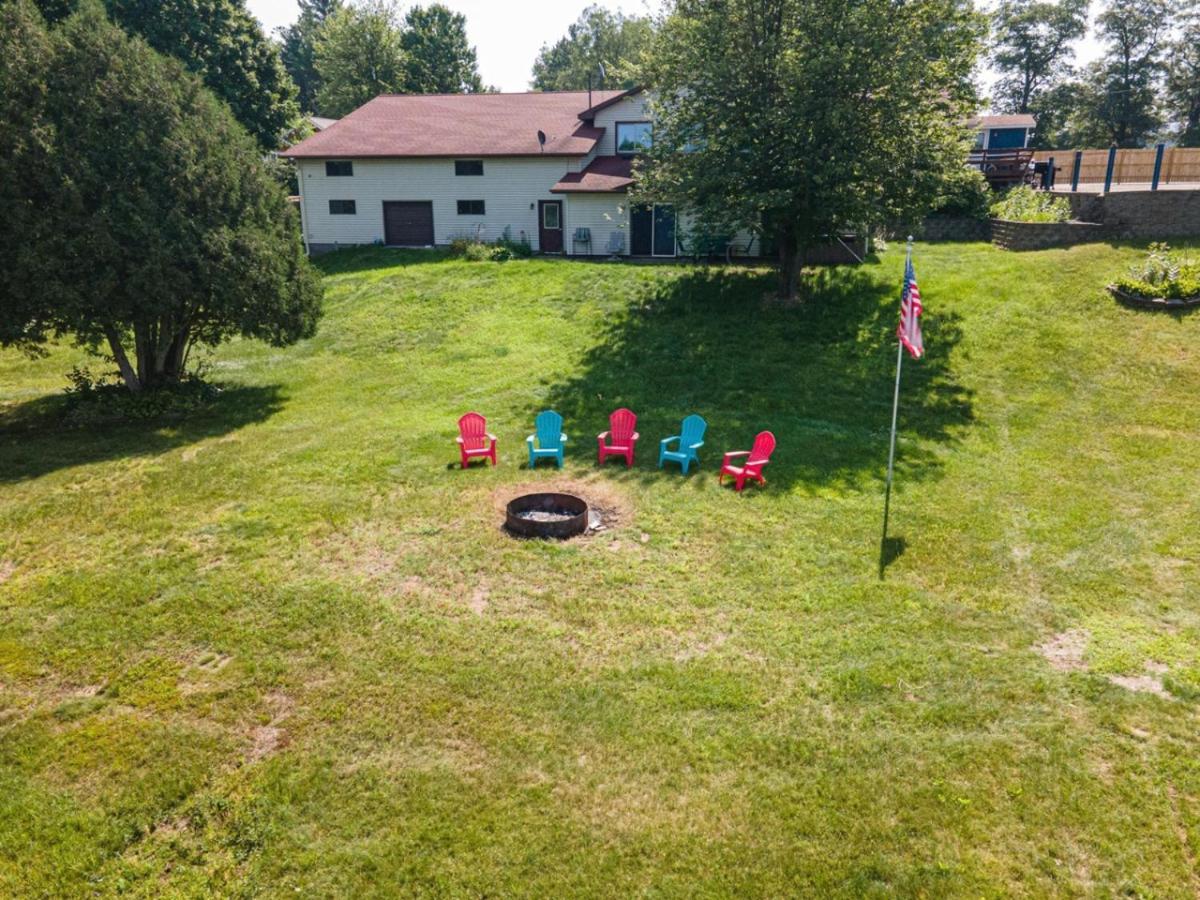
[[759, 456], [474, 440], [620, 437]]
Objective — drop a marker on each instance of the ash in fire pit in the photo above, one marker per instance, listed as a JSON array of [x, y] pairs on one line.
[[547, 515]]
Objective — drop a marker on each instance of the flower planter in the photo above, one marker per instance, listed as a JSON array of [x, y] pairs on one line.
[[1139, 302]]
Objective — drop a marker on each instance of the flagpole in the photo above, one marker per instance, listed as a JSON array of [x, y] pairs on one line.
[[887, 496]]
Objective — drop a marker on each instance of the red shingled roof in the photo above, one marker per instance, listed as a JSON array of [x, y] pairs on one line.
[[603, 175], [459, 125]]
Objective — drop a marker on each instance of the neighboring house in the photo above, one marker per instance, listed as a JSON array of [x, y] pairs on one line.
[[320, 123], [550, 168], [1011, 132]]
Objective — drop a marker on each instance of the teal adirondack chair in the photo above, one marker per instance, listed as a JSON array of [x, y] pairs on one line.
[[690, 439], [547, 440]]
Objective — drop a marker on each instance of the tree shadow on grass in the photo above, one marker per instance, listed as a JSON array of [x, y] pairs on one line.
[[354, 259], [35, 440], [820, 376]]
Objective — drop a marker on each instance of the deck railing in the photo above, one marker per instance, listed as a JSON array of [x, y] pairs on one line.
[[1152, 166]]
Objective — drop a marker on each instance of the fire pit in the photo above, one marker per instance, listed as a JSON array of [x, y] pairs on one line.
[[547, 516]]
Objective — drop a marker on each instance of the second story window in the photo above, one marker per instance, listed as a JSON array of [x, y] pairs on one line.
[[633, 137], [335, 168], [468, 167]]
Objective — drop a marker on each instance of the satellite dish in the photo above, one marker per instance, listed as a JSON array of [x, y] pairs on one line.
[[542, 139]]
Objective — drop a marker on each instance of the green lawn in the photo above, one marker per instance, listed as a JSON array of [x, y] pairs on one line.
[[284, 648]]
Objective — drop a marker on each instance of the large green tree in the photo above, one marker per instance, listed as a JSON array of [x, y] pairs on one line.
[[221, 42], [298, 48], [598, 37], [438, 57], [795, 118], [1183, 81], [1119, 93], [1032, 52], [359, 55], [149, 220]]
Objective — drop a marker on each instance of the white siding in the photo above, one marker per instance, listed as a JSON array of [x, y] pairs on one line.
[[627, 109], [510, 188], [604, 214]]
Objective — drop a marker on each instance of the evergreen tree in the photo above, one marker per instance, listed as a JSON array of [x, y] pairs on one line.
[[222, 43], [297, 48], [438, 57], [148, 219]]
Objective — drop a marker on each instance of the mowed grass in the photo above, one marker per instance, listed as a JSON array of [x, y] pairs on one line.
[[283, 647]]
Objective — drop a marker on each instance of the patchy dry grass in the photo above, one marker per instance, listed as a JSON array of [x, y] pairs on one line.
[[285, 647]]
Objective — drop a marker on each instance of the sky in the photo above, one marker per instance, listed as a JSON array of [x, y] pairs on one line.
[[508, 35]]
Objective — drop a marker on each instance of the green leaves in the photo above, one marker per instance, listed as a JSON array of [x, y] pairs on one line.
[[598, 37], [794, 118], [144, 208]]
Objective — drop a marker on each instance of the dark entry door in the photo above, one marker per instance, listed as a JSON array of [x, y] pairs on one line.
[[550, 226], [408, 223], [641, 231], [664, 229]]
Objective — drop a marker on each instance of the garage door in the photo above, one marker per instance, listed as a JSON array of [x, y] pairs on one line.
[[408, 223]]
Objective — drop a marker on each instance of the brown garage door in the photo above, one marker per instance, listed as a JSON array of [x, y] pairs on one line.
[[408, 223]]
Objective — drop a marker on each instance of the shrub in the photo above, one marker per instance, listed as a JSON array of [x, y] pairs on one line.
[[103, 400], [470, 247], [964, 192], [1163, 274], [1024, 204]]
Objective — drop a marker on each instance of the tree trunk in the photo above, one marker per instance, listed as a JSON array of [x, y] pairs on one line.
[[128, 375], [161, 351], [790, 262]]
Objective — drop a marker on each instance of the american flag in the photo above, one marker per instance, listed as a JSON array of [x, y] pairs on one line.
[[909, 330]]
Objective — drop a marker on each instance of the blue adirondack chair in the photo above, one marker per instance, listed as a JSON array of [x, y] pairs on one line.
[[690, 439], [547, 440]]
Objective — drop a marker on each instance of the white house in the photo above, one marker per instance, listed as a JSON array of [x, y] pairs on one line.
[[551, 168], [1011, 132]]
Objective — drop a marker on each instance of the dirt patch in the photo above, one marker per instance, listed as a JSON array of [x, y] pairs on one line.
[[479, 600], [609, 508], [6, 570], [702, 648], [1142, 684], [272, 737], [1064, 651]]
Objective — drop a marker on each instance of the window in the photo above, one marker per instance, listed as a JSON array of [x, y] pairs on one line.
[[633, 137], [470, 207], [342, 208], [551, 216], [340, 168], [468, 167]]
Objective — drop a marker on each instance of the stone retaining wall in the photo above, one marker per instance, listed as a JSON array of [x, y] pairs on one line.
[[1140, 214], [954, 228], [1037, 235]]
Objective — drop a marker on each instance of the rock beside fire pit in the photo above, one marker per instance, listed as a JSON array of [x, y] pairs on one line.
[[548, 515]]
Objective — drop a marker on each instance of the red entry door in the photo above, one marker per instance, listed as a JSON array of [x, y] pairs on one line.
[[550, 226]]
